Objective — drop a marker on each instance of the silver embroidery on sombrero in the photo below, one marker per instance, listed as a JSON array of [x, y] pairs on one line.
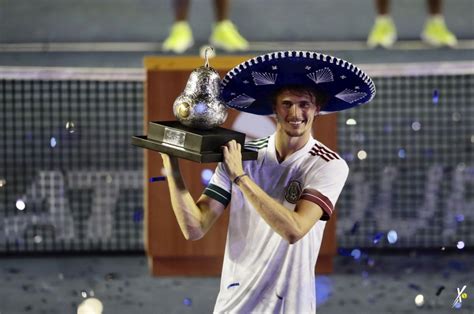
[[270, 57], [264, 78], [242, 101], [321, 76], [350, 96]]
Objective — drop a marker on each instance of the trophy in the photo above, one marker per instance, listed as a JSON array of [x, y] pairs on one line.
[[196, 135]]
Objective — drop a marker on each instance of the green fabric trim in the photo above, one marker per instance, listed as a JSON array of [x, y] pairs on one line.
[[218, 193]]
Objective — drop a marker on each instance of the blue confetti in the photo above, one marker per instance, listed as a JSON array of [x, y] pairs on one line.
[[402, 153], [459, 218], [187, 301], [435, 96], [392, 236], [344, 252], [355, 227], [356, 253], [53, 142], [377, 237], [323, 289], [138, 215], [156, 179]]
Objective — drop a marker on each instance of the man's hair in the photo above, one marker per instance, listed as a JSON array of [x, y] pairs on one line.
[[319, 97]]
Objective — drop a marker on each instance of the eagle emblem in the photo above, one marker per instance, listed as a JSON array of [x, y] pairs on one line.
[[293, 192]]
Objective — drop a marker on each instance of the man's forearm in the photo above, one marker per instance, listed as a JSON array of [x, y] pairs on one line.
[[285, 222], [187, 213]]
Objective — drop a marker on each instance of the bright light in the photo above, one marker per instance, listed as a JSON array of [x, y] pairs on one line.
[[351, 121], [362, 154], [20, 205]]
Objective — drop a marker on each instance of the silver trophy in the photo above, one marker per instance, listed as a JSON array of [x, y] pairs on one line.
[[199, 110]]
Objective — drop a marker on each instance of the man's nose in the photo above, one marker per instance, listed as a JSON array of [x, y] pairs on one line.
[[294, 110]]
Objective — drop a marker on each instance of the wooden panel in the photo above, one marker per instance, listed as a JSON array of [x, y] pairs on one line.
[[169, 253]]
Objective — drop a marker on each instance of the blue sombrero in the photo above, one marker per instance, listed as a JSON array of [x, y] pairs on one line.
[[250, 85]]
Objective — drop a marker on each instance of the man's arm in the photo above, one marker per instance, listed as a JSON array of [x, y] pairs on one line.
[[194, 218], [291, 225]]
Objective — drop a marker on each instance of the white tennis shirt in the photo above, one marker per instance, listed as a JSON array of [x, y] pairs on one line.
[[262, 272]]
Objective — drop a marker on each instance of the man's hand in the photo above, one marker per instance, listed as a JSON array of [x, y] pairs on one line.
[[233, 159]]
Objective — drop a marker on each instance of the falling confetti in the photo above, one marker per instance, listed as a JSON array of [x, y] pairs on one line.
[[138, 216], [53, 142], [355, 227], [356, 253], [188, 301], [435, 96], [392, 236], [459, 218], [460, 245], [156, 179], [416, 126], [440, 289], [402, 153], [377, 237]]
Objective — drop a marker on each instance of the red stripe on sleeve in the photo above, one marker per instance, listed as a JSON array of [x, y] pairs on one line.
[[319, 199]]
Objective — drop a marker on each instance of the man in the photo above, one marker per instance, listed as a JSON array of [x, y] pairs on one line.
[[280, 202]]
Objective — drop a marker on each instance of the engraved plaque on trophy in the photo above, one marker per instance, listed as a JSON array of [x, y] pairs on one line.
[[196, 134]]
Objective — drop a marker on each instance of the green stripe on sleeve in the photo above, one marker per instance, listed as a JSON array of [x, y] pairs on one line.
[[218, 193]]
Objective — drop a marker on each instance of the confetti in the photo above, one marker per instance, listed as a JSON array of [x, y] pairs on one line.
[[392, 236], [138, 215], [440, 289], [156, 179], [377, 237], [416, 126], [356, 253], [53, 142], [435, 97], [187, 301], [355, 227], [460, 245]]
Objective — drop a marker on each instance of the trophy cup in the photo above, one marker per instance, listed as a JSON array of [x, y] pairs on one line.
[[196, 135]]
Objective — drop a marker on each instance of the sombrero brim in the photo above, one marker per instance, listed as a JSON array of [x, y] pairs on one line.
[[249, 86]]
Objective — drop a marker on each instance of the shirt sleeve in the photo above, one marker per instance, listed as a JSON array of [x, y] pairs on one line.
[[220, 186], [324, 184]]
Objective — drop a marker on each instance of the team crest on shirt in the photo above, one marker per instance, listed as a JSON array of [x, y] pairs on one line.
[[293, 192]]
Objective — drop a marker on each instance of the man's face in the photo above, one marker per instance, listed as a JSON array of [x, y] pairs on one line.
[[295, 113]]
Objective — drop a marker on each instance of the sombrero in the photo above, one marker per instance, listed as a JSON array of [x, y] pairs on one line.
[[250, 85]]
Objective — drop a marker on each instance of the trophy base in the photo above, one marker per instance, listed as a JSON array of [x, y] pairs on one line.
[[175, 139], [201, 157]]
